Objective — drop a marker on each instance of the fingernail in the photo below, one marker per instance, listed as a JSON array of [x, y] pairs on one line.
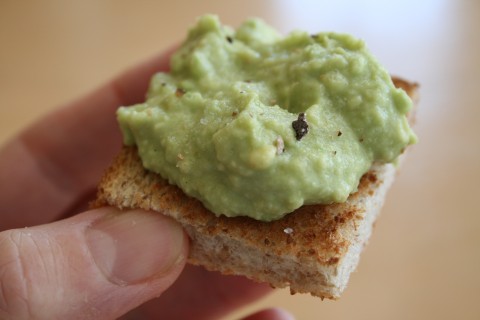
[[284, 315], [272, 313], [134, 246]]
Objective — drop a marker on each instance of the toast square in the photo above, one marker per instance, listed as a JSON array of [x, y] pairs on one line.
[[311, 250]]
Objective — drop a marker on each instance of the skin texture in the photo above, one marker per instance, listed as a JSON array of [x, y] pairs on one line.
[[57, 268]]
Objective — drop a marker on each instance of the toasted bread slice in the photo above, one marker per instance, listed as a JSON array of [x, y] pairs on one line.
[[311, 250]]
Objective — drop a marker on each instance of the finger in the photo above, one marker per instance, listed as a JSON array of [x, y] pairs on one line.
[[61, 157], [96, 265], [131, 86], [201, 294], [271, 314]]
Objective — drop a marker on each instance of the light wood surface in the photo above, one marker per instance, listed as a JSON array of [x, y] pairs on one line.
[[423, 261]]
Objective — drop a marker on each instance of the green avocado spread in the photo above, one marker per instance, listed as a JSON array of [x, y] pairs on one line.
[[255, 124]]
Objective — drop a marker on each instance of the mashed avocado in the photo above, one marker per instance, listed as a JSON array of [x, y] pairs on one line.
[[252, 123]]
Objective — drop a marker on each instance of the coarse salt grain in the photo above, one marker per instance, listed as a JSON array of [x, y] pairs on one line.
[[280, 145]]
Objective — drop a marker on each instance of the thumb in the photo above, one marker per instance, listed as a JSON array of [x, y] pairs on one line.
[[97, 265]]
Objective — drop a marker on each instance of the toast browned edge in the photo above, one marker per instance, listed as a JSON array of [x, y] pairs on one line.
[[311, 250]]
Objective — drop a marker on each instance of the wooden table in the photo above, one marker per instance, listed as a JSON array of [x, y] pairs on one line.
[[423, 261]]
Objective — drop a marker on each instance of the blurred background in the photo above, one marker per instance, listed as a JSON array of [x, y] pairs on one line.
[[423, 261]]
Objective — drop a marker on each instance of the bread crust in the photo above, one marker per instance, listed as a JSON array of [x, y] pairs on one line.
[[311, 250]]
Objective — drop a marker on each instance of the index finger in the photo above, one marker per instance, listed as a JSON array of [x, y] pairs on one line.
[[60, 158]]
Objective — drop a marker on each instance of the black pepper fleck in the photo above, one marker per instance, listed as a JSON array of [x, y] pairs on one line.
[[339, 133], [300, 126], [180, 92], [229, 39]]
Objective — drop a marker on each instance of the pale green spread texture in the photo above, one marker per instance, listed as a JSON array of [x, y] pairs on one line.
[[219, 125]]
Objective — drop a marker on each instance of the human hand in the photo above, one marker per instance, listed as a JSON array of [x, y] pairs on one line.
[[102, 263]]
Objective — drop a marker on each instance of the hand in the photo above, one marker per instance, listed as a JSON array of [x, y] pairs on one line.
[[103, 263]]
